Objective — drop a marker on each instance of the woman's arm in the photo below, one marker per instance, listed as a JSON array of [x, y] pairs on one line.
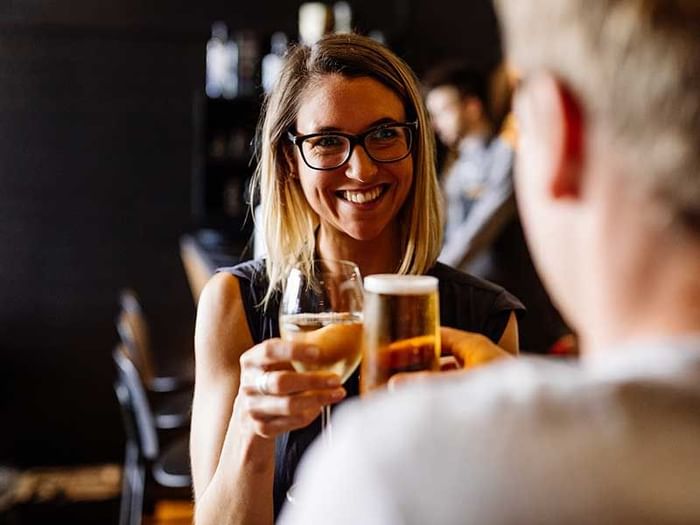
[[221, 479], [233, 423]]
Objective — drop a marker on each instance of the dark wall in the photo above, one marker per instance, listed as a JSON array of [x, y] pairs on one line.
[[96, 139]]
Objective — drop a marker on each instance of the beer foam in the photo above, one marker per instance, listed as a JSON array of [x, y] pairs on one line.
[[394, 284]]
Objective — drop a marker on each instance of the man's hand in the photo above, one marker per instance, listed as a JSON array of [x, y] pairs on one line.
[[468, 349]]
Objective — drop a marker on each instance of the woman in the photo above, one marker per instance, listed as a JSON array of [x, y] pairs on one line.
[[330, 187]]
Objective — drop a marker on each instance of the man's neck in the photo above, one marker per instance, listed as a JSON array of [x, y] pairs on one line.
[[656, 299]]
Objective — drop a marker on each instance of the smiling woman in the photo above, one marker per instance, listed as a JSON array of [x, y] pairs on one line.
[[346, 172], [355, 196]]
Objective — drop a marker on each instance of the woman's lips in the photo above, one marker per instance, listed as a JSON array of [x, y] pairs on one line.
[[364, 196]]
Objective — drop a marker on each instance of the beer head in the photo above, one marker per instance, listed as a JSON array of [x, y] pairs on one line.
[[393, 284]]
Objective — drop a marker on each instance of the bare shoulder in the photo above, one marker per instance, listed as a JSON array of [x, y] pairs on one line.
[[222, 332]]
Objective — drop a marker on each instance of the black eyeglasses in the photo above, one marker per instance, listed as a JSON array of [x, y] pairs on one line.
[[331, 149]]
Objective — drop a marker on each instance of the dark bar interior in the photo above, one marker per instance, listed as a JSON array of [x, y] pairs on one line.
[[111, 152]]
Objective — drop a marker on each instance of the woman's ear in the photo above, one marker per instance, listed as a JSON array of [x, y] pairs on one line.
[[290, 162]]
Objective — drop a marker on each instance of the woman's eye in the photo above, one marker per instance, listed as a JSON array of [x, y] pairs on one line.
[[384, 134], [327, 141]]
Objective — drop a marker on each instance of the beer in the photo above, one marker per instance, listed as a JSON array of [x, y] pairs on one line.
[[338, 337], [401, 327]]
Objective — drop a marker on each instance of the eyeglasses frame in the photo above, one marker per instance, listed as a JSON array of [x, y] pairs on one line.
[[298, 140]]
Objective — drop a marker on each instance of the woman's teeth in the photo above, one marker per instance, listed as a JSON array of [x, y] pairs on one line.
[[361, 197]]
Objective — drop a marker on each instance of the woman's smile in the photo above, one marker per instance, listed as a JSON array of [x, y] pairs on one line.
[[361, 197], [365, 196]]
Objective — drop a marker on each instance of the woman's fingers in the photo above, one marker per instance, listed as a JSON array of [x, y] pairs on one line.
[[272, 415], [273, 351], [288, 382], [276, 398], [272, 426], [285, 382], [299, 405]]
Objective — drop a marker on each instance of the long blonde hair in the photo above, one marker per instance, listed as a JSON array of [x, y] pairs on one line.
[[288, 221]]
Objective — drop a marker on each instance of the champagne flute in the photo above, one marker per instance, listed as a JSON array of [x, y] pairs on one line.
[[322, 306]]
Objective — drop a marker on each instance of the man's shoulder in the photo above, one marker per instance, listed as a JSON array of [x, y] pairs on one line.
[[532, 428], [543, 391]]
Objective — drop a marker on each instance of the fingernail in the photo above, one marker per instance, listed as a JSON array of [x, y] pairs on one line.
[[333, 381]]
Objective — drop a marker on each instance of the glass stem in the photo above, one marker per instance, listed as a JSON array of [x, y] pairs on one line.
[[326, 429]]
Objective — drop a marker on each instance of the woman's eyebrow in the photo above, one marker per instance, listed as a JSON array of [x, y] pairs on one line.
[[384, 120], [378, 122], [324, 129]]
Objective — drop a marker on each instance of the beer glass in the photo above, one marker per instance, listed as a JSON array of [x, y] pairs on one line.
[[323, 307], [401, 327]]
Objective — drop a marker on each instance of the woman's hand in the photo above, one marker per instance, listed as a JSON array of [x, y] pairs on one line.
[[273, 398]]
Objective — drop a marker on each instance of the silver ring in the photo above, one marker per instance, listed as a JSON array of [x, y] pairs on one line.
[[261, 383]]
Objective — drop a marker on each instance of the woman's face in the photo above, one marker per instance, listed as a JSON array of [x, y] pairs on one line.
[[361, 197]]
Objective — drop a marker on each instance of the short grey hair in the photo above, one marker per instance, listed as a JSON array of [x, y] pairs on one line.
[[635, 65]]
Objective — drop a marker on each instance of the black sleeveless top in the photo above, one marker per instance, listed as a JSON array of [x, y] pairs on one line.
[[466, 302]]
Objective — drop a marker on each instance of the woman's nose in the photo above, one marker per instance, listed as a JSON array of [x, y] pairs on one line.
[[360, 166]]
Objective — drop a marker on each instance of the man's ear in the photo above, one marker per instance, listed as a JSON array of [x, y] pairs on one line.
[[564, 117], [568, 181]]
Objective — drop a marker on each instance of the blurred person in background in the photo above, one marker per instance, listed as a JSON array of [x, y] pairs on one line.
[[608, 111], [346, 171], [483, 234]]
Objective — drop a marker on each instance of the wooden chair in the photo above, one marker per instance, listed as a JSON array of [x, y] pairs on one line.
[[133, 325], [150, 471], [197, 268], [170, 395]]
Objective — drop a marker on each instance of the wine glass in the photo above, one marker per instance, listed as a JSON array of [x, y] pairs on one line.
[[322, 306]]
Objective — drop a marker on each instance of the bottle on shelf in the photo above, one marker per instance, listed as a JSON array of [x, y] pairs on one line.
[[342, 13], [222, 64], [248, 57], [272, 62], [315, 20]]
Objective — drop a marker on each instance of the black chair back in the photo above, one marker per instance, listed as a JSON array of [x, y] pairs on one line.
[[134, 401]]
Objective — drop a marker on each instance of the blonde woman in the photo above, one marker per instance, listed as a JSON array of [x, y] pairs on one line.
[[253, 416]]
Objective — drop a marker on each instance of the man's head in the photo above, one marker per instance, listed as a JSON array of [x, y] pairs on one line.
[[457, 103], [609, 115]]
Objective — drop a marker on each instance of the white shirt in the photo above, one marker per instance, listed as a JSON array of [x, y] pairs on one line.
[[615, 440]]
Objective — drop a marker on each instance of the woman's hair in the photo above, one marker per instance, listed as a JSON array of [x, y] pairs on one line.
[[288, 221]]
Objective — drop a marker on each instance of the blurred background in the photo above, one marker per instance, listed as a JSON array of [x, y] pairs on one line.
[[111, 151]]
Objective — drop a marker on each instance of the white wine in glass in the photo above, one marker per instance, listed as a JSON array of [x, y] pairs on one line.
[[338, 336], [322, 306]]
